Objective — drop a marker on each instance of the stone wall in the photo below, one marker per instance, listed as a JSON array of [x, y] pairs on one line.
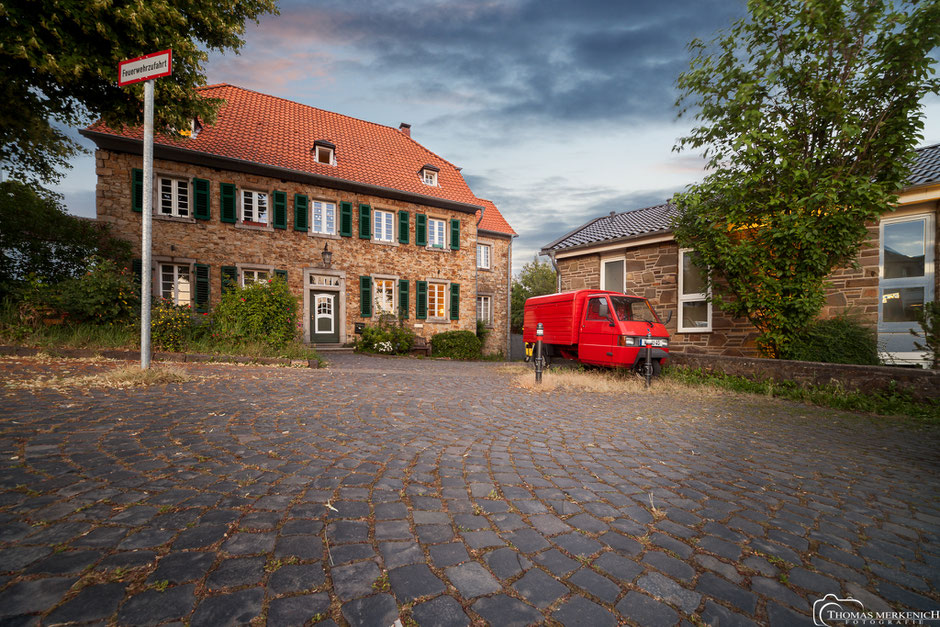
[[494, 282], [221, 244]]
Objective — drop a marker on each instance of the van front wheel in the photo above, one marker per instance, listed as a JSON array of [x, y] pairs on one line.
[[640, 368]]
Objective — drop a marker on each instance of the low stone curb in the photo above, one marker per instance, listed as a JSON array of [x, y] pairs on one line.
[[27, 351]]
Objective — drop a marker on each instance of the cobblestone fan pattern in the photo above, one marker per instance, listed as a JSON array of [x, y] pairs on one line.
[[439, 493]]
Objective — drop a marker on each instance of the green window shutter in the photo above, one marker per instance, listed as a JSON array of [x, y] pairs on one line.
[[201, 204], [280, 210], [365, 222], [403, 303], [421, 300], [345, 219], [300, 212], [455, 234], [202, 287], [282, 274], [229, 278], [421, 230], [137, 190], [455, 301], [365, 296], [403, 225], [227, 202], [137, 267]]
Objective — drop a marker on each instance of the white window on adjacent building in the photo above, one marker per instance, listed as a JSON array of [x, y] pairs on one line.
[[250, 276], [436, 233], [173, 198], [254, 207], [384, 297], [695, 312], [485, 309], [383, 226], [324, 217], [437, 300], [483, 256], [175, 283], [612, 274]]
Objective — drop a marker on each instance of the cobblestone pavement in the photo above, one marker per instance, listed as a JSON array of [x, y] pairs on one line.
[[440, 493]]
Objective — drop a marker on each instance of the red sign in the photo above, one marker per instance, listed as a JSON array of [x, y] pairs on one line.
[[144, 68]]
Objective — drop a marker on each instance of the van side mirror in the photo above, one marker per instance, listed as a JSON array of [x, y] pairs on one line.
[[668, 317]]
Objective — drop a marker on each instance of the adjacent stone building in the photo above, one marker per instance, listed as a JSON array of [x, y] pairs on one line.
[[359, 218], [635, 252]]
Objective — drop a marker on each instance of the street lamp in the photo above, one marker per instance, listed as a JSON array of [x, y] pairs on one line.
[[327, 256]]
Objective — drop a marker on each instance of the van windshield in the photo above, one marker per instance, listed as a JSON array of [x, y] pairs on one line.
[[630, 308]]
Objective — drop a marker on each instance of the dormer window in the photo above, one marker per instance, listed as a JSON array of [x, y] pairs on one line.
[[324, 152], [428, 174]]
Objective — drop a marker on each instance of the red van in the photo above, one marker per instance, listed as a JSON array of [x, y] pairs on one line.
[[596, 327]]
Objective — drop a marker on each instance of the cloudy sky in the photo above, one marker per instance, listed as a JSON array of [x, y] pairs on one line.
[[558, 111]]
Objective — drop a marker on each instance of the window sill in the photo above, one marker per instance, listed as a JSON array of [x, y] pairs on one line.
[[439, 321], [484, 269], [253, 226], [162, 216], [439, 249], [323, 235], [385, 242], [708, 330]]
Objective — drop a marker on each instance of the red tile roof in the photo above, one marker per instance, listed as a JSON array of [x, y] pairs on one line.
[[492, 219], [276, 132]]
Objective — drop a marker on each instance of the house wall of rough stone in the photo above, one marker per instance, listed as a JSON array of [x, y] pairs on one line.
[[494, 282], [220, 244], [652, 272]]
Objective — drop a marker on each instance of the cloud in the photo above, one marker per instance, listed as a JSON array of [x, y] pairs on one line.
[[544, 210], [525, 61]]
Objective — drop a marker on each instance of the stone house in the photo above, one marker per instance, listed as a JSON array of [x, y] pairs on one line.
[[635, 252], [272, 185]]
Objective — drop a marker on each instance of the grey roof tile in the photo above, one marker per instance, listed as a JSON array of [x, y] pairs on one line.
[[926, 167]]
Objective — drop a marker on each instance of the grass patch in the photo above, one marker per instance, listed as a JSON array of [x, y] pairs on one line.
[[691, 384], [120, 377], [892, 402]]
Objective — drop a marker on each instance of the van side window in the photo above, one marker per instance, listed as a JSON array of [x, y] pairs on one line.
[[597, 309]]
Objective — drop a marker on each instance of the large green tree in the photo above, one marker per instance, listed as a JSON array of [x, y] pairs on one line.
[[58, 68], [535, 279], [38, 237], [807, 112]]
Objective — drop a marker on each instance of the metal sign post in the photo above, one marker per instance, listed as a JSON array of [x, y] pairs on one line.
[[146, 280], [146, 68]]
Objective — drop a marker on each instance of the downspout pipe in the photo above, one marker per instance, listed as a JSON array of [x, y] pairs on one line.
[[551, 256]]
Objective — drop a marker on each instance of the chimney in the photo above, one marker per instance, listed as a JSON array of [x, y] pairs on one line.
[[405, 128]]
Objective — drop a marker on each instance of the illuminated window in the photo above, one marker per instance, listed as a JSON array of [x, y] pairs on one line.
[[384, 295], [437, 300]]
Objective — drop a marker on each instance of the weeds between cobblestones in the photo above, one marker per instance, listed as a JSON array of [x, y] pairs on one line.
[[427, 491]]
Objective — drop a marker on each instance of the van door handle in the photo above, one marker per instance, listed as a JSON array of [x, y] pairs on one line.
[[610, 354]]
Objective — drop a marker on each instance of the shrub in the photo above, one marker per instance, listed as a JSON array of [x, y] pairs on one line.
[[482, 331], [105, 294], [170, 325], [389, 336], [840, 340], [263, 312], [456, 345], [929, 320]]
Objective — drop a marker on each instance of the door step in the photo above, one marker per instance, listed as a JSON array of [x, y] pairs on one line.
[[332, 348]]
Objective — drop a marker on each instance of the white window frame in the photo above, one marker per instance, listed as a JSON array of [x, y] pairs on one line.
[[243, 274], [616, 288], [255, 196], [175, 288], [378, 298], [429, 177], [486, 262], [485, 307], [443, 233], [327, 215], [380, 234], [926, 281], [445, 288], [691, 298], [174, 199], [330, 154]]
